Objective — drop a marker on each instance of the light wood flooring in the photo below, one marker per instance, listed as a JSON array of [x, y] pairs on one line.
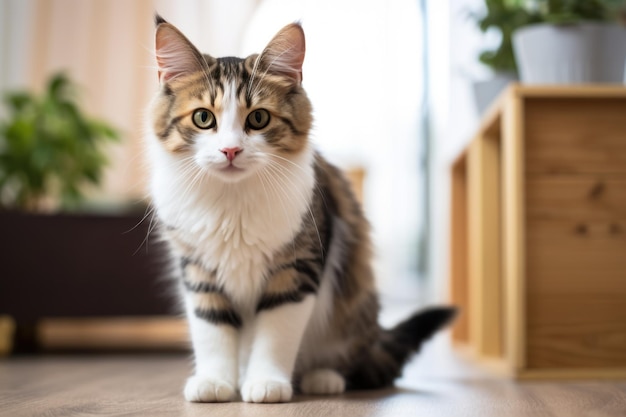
[[438, 383]]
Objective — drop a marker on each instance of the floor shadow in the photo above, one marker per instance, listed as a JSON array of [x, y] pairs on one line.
[[366, 395]]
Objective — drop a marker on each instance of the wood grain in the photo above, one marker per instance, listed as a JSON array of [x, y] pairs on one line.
[[577, 332], [7, 330], [514, 236], [581, 198], [570, 258], [574, 91], [356, 177], [576, 232], [563, 177], [439, 383], [575, 136], [459, 287], [104, 333], [485, 273]]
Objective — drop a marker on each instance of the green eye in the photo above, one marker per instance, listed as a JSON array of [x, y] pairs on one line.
[[258, 119], [203, 118]]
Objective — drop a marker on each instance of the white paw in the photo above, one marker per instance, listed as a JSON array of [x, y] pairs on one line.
[[200, 389], [322, 382], [264, 391]]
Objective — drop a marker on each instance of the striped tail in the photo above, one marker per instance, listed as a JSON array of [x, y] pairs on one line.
[[383, 363]]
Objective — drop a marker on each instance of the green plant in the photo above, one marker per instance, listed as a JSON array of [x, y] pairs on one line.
[[574, 11], [48, 148], [505, 16], [509, 15]]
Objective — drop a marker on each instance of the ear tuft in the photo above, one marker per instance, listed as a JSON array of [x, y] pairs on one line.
[[158, 19], [284, 55], [176, 56]]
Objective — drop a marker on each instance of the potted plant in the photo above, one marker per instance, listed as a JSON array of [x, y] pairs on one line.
[[58, 260], [49, 150], [504, 16], [575, 41]]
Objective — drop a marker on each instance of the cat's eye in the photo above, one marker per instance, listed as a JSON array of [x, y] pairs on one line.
[[258, 119], [203, 118]]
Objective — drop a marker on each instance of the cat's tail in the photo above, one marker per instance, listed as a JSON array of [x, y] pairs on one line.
[[383, 363]]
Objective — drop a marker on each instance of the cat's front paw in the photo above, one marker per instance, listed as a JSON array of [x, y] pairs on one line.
[[322, 382], [266, 391], [201, 389]]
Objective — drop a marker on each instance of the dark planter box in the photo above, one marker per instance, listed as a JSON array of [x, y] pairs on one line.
[[84, 265]]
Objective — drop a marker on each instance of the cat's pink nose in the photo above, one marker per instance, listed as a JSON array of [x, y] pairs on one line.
[[231, 153]]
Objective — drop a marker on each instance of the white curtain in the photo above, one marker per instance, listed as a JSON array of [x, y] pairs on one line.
[[106, 46]]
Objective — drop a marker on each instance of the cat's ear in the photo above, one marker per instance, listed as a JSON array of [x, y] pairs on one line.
[[175, 54], [284, 54]]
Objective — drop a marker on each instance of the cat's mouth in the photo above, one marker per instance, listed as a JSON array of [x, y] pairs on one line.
[[229, 171], [231, 168]]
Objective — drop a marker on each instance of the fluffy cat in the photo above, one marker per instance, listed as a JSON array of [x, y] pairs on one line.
[[271, 247]]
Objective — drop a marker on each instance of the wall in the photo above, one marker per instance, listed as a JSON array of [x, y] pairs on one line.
[[454, 46]]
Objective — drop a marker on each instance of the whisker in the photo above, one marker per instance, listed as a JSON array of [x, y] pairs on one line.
[[317, 187], [278, 169], [145, 240], [283, 193], [149, 211], [267, 196]]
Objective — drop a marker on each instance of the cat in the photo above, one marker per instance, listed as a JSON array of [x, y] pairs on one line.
[[271, 248]]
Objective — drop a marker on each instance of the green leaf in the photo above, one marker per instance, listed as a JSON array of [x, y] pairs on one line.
[[49, 147]]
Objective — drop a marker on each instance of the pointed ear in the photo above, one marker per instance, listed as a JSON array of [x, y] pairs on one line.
[[175, 54], [284, 54]]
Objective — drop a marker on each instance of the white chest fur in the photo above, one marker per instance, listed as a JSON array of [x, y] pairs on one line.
[[233, 228]]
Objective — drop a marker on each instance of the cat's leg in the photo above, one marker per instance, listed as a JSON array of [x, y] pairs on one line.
[[214, 328], [277, 336], [322, 382], [214, 348]]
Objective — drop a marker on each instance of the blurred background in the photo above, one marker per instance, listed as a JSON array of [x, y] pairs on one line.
[[367, 69], [392, 85]]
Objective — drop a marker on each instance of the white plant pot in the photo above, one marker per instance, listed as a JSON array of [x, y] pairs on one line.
[[570, 54]]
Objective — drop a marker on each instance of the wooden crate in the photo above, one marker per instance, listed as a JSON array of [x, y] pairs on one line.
[[538, 234]]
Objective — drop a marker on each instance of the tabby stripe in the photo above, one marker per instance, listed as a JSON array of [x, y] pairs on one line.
[[330, 210], [217, 72], [307, 288], [304, 268], [289, 124], [186, 133], [203, 287], [186, 261], [219, 316], [290, 265], [164, 134], [242, 89], [270, 301]]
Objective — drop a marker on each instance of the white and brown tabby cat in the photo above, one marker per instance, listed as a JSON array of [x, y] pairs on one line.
[[272, 249]]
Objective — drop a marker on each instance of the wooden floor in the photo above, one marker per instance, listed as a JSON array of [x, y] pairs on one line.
[[438, 383]]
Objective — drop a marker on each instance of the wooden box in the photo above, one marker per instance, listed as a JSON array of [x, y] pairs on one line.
[[538, 234]]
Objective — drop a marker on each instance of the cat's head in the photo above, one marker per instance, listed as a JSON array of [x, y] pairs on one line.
[[231, 117]]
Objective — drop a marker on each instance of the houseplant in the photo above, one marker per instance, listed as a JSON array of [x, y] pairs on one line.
[[49, 149], [575, 41], [503, 16], [57, 263]]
